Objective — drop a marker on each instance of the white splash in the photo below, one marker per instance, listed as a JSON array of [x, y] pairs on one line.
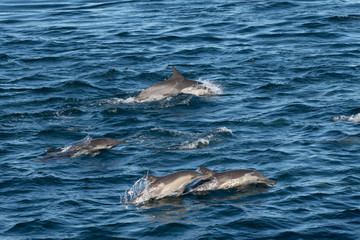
[[214, 87], [154, 98], [133, 194], [353, 118], [201, 142], [121, 100], [207, 88], [204, 139], [171, 132], [223, 130]]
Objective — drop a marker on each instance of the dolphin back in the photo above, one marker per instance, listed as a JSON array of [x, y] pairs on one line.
[[51, 150], [169, 87], [151, 178]]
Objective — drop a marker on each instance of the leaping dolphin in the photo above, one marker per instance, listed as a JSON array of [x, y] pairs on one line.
[[230, 179], [87, 147], [160, 187], [173, 86]]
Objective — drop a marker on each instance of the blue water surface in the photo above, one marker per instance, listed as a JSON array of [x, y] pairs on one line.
[[288, 74]]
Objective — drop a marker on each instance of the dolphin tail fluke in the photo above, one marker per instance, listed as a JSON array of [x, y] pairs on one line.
[[207, 173], [93, 154]]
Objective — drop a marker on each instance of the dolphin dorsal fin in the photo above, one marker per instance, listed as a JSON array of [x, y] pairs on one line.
[[177, 75], [206, 171], [151, 178]]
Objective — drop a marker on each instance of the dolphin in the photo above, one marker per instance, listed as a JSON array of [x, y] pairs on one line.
[[160, 187], [230, 179], [87, 147], [170, 87]]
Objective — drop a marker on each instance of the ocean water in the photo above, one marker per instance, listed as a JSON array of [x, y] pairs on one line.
[[287, 104]]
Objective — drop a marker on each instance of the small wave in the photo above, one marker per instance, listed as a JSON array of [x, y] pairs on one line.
[[205, 139], [167, 131], [41, 59], [166, 139], [353, 118], [4, 57], [151, 103], [122, 100], [344, 18], [78, 84]]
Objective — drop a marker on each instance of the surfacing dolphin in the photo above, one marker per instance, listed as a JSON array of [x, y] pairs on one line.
[[87, 147], [160, 187], [173, 86], [230, 179]]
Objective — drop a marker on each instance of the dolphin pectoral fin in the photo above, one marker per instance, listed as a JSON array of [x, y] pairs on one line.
[[181, 190], [93, 154]]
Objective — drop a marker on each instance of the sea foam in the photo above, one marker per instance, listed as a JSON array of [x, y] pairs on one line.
[[353, 118]]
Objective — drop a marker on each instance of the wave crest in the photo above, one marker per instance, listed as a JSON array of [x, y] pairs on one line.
[[198, 143], [353, 118]]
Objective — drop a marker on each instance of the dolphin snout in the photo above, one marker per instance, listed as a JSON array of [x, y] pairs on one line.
[[121, 142], [271, 181]]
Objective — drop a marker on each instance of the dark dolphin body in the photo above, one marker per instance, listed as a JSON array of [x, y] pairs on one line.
[[160, 187], [92, 147], [230, 179], [173, 86]]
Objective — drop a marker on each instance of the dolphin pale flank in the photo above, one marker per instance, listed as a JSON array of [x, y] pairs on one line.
[[173, 86], [160, 187], [230, 179], [87, 147]]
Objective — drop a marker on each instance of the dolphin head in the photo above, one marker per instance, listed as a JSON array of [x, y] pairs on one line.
[[230, 179], [260, 178], [104, 143]]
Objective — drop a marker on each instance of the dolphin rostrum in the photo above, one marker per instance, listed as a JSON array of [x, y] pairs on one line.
[[160, 187], [230, 179], [173, 86], [91, 147]]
